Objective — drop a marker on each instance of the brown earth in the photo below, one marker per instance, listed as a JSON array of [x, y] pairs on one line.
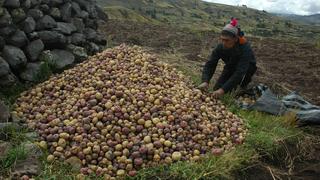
[[292, 65], [289, 65]]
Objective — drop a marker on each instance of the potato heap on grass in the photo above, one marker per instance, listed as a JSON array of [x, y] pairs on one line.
[[122, 110]]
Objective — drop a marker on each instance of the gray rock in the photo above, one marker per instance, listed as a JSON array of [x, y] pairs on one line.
[[31, 71], [66, 12], [2, 43], [80, 53], [90, 34], [28, 25], [1, 11], [36, 14], [52, 39], [92, 11], [75, 163], [92, 48], [55, 13], [8, 80], [100, 40], [92, 23], [4, 148], [55, 3], [19, 39], [4, 67], [15, 57], [31, 166], [33, 149], [35, 3], [65, 28], [12, 3], [78, 39], [78, 22], [101, 14], [84, 15], [8, 31], [44, 8], [26, 4], [46, 22], [46, 56], [61, 59], [46, 1], [4, 113], [68, 40], [82, 3], [34, 49], [76, 9], [33, 36], [5, 19], [18, 15], [89, 7]]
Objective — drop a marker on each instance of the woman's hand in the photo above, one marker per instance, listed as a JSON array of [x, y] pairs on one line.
[[218, 93], [204, 86]]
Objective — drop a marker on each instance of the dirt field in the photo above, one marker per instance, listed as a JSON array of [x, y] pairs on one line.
[[295, 66], [290, 65]]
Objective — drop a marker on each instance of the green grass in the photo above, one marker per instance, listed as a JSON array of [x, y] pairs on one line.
[[13, 155], [46, 70], [14, 134], [55, 171], [210, 167]]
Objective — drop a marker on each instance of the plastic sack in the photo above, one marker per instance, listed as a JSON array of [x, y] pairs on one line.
[[306, 113]]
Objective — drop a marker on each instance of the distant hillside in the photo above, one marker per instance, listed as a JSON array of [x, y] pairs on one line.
[[200, 15], [311, 19]]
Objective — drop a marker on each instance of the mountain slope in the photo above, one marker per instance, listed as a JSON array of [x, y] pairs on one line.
[[200, 15], [311, 19]]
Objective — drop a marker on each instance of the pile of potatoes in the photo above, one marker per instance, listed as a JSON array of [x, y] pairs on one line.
[[122, 110]]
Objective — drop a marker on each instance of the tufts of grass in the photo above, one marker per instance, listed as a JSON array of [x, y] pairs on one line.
[[55, 170], [210, 167], [58, 170], [13, 155], [45, 72], [14, 134]]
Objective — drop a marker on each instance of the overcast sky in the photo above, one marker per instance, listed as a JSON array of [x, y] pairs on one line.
[[300, 7]]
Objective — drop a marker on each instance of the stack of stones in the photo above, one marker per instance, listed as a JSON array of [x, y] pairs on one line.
[[37, 32]]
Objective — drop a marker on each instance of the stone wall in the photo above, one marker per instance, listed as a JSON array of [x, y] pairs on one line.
[[34, 33]]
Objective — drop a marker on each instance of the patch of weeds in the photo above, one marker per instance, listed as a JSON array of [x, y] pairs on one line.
[[13, 133], [13, 155], [45, 72]]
